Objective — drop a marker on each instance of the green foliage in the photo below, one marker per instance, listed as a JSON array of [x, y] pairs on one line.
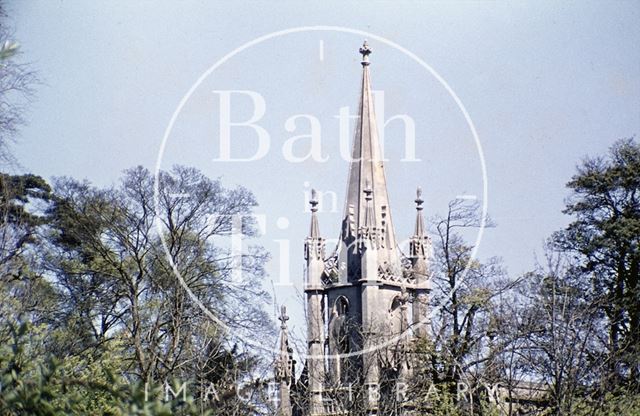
[[440, 401], [93, 319], [36, 383], [8, 49], [23, 200], [16, 192], [605, 237], [617, 403], [489, 409]]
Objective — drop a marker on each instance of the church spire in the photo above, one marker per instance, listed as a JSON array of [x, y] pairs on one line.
[[285, 367], [314, 232], [315, 265], [419, 252], [314, 244], [367, 203], [419, 244], [419, 229], [351, 294]]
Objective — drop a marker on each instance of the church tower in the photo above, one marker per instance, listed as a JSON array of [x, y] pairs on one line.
[[366, 299]]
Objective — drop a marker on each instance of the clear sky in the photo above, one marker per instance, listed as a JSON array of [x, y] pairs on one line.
[[545, 83]]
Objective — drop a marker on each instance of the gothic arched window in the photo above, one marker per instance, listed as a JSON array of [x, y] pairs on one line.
[[342, 306], [395, 314], [339, 334]]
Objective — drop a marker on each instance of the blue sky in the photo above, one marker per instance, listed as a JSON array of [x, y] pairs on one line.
[[545, 83]]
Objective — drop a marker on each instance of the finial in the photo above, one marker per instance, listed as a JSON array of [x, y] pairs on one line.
[[419, 199], [365, 51], [283, 317], [314, 201]]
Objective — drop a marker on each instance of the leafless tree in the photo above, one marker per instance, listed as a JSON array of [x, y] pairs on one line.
[[559, 320], [122, 282], [17, 81]]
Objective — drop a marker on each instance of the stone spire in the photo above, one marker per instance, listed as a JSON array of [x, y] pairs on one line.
[[314, 256], [419, 229], [314, 245], [419, 252], [419, 245], [314, 231], [285, 367], [367, 202]]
